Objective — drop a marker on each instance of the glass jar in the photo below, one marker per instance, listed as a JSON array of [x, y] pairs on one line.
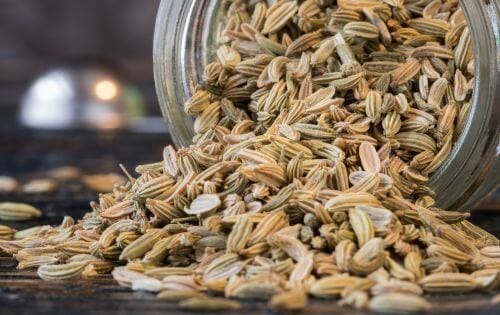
[[184, 43]]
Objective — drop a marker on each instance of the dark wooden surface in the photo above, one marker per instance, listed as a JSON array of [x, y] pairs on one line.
[[22, 292], [27, 154]]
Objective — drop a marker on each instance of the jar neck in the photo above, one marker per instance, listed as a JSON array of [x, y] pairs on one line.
[[184, 32]]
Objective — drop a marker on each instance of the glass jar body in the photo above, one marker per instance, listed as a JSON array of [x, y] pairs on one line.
[[185, 42]]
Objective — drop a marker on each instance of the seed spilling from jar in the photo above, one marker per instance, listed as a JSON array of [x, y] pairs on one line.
[[318, 124]]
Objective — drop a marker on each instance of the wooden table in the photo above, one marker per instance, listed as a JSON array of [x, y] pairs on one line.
[[22, 292]]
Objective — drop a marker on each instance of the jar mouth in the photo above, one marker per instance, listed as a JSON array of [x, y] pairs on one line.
[[481, 132], [185, 42]]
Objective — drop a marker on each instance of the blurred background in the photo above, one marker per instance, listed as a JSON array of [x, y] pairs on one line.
[[77, 90], [36, 36]]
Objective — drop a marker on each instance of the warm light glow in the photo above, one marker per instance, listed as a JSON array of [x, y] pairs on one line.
[[106, 90]]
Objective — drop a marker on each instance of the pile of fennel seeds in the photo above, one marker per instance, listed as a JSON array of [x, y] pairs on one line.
[[317, 128]]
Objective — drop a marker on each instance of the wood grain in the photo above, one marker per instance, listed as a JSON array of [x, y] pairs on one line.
[[23, 292]]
